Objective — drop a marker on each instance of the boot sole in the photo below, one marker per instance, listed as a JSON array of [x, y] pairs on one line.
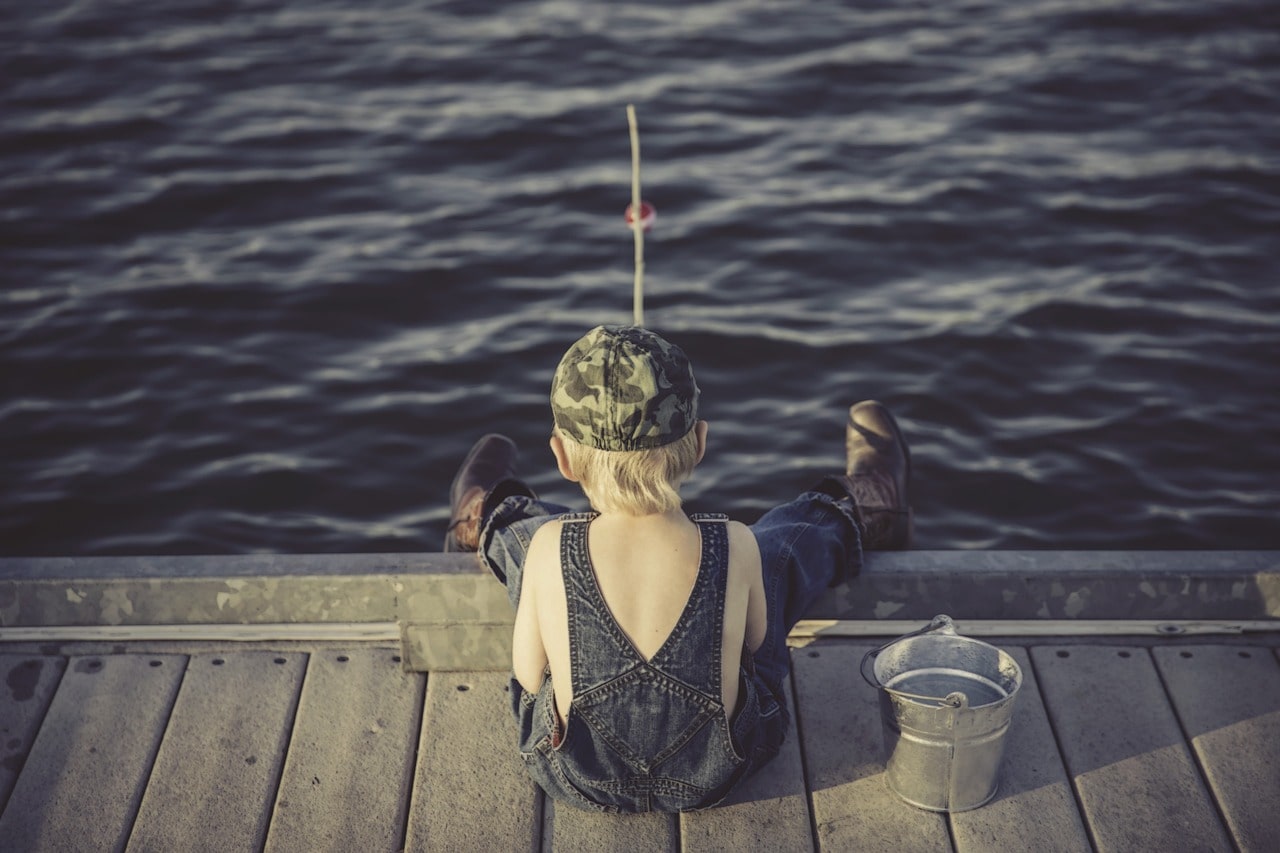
[[906, 452], [480, 444], [451, 544]]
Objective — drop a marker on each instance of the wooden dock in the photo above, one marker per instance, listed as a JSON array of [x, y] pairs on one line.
[[1117, 744], [358, 703]]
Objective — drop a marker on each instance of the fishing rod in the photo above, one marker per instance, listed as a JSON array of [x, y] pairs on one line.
[[641, 222]]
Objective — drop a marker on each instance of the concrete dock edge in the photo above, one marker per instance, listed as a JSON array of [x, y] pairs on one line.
[[452, 615]]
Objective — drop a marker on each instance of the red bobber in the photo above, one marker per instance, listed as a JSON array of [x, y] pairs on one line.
[[648, 213]]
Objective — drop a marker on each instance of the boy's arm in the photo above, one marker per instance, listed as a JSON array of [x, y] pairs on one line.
[[528, 655], [757, 612]]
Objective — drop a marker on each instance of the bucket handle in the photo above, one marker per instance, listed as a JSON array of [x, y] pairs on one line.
[[940, 623]]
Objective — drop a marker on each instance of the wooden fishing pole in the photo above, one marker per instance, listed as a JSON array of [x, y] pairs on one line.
[[637, 216]]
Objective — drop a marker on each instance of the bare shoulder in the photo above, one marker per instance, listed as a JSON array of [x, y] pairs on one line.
[[544, 549], [742, 542], [744, 555], [547, 535]]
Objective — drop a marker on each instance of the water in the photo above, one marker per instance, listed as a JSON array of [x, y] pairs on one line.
[[269, 268]]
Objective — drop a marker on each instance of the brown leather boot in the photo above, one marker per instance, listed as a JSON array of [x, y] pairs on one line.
[[491, 460], [878, 474]]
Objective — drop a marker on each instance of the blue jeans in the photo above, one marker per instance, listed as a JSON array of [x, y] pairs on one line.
[[806, 545]]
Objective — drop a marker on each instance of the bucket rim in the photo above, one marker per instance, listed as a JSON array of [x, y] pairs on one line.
[[941, 625]]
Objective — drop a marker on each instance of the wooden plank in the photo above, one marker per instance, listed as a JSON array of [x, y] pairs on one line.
[[840, 738], [1134, 775], [1228, 699], [87, 769], [471, 791], [218, 767], [769, 811], [1034, 808], [350, 760], [571, 830], [28, 685]]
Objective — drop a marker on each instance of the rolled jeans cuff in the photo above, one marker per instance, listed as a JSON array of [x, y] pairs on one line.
[[508, 521]]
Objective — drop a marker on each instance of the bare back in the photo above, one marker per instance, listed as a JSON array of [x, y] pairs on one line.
[[646, 568]]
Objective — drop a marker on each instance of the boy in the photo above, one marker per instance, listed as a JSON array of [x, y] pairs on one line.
[[649, 650]]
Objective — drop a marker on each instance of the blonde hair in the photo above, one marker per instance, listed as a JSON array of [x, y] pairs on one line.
[[633, 482]]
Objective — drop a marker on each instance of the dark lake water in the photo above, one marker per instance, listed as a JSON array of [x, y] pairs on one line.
[[269, 268]]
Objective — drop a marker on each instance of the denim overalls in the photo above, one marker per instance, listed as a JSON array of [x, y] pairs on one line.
[[653, 735]]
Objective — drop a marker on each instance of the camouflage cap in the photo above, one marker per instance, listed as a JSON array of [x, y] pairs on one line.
[[624, 388]]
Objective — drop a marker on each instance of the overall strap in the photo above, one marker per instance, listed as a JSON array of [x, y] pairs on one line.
[[692, 652], [598, 649]]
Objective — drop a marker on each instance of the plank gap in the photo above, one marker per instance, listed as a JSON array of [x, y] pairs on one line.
[[1196, 759], [798, 733], [417, 751], [1062, 755]]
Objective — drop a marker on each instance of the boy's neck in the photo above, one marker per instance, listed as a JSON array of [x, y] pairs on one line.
[[657, 519]]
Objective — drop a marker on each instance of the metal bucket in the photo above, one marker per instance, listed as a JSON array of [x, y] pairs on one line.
[[945, 706]]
